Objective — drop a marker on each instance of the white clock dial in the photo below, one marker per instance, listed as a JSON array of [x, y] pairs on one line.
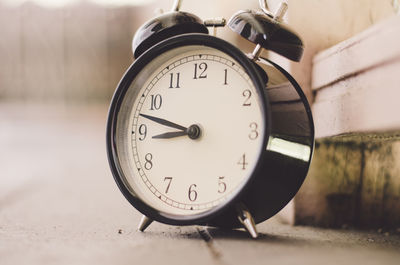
[[199, 88]]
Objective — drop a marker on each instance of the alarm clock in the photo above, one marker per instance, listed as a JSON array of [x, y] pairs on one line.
[[200, 133]]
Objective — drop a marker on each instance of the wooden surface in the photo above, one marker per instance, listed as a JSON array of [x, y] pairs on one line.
[[354, 181], [75, 53], [78, 52], [324, 23], [60, 205], [373, 48], [357, 83], [365, 103], [354, 178]]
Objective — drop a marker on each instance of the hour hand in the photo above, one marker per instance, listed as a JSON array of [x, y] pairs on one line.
[[170, 135], [194, 132]]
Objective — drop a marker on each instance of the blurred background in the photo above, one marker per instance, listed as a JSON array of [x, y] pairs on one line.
[[60, 62], [77, 50]]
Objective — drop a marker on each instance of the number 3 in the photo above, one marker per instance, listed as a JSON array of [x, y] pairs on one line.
[[254, 133]]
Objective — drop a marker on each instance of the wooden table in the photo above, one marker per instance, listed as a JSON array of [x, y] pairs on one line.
[[59, 205]]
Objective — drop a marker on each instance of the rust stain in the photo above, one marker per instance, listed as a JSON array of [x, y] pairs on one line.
[[358, 193]]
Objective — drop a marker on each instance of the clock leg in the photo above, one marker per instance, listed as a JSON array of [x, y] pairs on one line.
[[144, 223], [247, 220]]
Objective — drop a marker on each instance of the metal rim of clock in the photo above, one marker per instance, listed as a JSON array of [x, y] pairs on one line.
[[123, 86], [308, 110]]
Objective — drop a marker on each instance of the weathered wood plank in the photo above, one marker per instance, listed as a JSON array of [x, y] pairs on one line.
[[121, 26], [356, 83], [75, 53], [85, 40], [329, 195], [42, 53], [324, 23], [380, 200], [374, 47], [353, 181], [11, 55], [367, 102]]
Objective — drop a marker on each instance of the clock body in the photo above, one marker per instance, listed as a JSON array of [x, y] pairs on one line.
[[196, 130]]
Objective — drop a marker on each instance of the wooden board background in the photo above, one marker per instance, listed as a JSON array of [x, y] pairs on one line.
[[75, 53]]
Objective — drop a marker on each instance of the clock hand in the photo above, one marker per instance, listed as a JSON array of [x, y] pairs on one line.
[[170, 135], [194, 132], [164, 122]]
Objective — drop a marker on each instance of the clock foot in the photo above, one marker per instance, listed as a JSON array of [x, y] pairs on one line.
[[247, 221], [144, 223]]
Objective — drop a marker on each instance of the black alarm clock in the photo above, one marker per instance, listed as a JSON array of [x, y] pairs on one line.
[[199, 133]]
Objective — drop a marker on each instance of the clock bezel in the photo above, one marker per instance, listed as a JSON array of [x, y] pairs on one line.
[[132, 72]]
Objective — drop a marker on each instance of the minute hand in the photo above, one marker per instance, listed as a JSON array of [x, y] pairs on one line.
[[164, 122]]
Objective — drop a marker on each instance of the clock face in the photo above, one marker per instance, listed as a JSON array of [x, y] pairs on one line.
[[189, 131]]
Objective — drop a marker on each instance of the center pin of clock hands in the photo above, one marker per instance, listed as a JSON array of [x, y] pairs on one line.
[[193, 131]]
